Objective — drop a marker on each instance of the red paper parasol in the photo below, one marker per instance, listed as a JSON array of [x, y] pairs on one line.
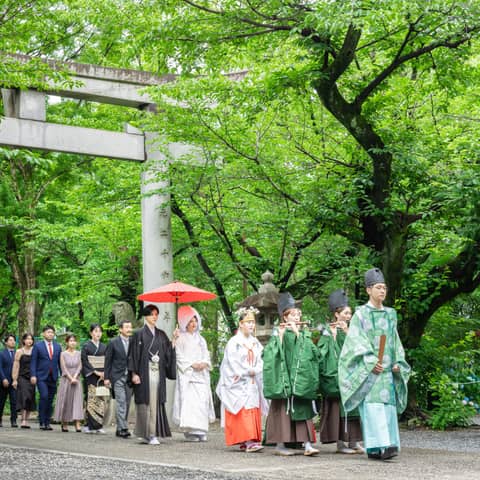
[[176, 292]]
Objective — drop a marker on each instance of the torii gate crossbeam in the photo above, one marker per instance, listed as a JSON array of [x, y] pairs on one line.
[[24, 126]]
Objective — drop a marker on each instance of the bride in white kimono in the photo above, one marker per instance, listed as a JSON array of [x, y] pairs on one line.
[[193, 404]]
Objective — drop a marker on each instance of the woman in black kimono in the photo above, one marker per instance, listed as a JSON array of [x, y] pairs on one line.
[[151, 360], [93, 363]]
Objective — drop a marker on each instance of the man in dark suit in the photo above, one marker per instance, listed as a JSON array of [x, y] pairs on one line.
[[6, 390], [116, 374], [45, 368]]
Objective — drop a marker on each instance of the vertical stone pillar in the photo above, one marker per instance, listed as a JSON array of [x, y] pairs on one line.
[[156, 227], [28, 104], [157, 236]]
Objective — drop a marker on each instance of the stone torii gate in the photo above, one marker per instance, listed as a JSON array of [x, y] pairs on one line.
[[24, 126]]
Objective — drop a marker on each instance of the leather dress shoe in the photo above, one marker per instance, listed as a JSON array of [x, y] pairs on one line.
[[14, 425]]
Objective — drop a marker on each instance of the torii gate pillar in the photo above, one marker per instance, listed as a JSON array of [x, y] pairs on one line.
[[156, 228]]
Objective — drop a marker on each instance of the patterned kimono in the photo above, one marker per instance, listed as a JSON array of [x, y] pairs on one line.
[[378, 397], [96, 406]]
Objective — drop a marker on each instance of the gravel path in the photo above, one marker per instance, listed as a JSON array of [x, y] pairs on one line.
[[425, 455], [57, 466], [465, 440]]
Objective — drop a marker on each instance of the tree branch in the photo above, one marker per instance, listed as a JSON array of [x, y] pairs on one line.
[[253, 158], [221, 233], [204, 9], [317, 160], [460, 275], [449, 42], [346, 54], [203, 262], [298, 252], [246, 20], [251, 250]]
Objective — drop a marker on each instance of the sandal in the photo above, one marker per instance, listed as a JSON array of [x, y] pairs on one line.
[[255, 447]]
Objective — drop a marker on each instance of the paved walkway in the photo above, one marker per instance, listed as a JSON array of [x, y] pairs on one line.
[[425, 455]]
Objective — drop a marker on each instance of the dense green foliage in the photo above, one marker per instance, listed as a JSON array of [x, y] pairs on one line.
[[334, 135], [446, 380]]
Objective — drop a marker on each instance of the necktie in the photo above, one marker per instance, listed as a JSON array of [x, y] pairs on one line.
[[11, 354], [50, 351]]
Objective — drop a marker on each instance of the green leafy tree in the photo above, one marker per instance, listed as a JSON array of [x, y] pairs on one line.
[[352, 114]]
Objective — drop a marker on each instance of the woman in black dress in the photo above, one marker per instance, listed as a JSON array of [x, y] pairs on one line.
[[21, 379], [93, 364]]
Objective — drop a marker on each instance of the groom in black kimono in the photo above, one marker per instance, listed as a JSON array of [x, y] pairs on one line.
[[151, 359]]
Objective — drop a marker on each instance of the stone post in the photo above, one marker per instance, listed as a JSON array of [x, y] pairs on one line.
[[157, 236], [28, 104], [156, 227]]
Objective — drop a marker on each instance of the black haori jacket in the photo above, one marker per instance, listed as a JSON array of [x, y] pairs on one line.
[[142, 347]]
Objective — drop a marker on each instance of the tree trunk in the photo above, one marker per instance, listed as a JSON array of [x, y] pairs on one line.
[[25, 276]]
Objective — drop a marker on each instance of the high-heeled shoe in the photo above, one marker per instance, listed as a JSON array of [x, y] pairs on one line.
[[64, 429]]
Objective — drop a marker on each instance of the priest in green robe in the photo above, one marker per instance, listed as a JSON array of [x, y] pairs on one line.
[[290, 381], [334, 427], [378, 387]]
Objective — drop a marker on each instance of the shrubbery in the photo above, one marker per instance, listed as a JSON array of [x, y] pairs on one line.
[[446, 381]]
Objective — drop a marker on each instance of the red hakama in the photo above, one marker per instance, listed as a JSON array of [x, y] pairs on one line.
[[245, 425]]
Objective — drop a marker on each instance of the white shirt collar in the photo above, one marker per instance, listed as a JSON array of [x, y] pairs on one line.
[[370, 304]]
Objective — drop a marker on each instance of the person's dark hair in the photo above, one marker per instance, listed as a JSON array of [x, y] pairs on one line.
[[25, 336], [69, 336], [93, 326], [7, 336], [147, 311], [48, 327], [123, 322], [287, 311]]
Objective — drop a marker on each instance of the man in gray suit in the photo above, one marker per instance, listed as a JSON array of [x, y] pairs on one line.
[[116, 374]]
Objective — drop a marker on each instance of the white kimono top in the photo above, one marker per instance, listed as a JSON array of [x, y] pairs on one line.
[[236, 388]]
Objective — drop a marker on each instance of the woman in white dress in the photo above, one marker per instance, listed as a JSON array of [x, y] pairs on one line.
[[193, 404]]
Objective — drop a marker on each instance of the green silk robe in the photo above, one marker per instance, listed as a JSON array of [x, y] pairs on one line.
[[359, 356]]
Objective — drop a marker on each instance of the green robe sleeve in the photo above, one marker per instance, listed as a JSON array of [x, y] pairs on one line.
[[276, 380], [357, 360], [303, 367], [328, 353], [401, 379]]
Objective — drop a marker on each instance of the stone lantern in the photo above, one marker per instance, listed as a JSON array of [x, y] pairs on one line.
[[265, 301]]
